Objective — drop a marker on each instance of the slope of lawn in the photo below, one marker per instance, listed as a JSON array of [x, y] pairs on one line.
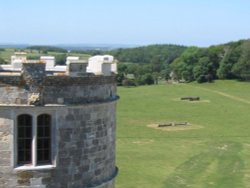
[[214, 151]]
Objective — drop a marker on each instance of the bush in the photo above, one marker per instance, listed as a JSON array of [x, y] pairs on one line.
[[33, 57], [61, 59], [119, 78], [128, 82], [201, 79], [2, 61], [146, 79]]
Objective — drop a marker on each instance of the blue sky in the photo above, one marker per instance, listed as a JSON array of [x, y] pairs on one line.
[[142, 22]]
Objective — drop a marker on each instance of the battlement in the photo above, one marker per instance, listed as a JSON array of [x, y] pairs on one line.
[[34, 85], [96, 65]]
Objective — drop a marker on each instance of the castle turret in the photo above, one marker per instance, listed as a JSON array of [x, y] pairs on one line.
[[57, 130]]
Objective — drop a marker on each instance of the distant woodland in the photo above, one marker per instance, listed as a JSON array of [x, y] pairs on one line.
[[149, 64]]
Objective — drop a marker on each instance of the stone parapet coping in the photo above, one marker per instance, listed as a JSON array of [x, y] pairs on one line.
[[64, 80]]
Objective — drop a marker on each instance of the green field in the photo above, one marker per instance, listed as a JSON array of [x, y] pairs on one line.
[[214, 151]]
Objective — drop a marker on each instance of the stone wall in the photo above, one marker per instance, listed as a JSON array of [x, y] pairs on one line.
[[57, 89], [83, 147]]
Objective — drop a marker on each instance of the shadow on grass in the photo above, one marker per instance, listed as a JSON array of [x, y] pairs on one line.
[[220, 166]]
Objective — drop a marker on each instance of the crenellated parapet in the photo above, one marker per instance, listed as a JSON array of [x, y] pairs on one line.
[[36, 84], [74, 66]]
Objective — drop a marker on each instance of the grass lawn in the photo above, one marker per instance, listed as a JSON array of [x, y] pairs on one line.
[[214, 151]]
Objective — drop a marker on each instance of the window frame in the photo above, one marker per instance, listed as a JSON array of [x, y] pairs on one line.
[[24, 123], [43, 138], [34, 164]]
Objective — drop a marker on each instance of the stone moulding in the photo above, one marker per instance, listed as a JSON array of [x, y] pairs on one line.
[[63, 105], [59, 80]]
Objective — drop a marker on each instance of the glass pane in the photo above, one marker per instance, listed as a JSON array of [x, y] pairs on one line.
[[21, 144], [24, 139], [28, 155], [21, 156], [39, 144], [39, 155], [46, 155], [28, 132], [47, 131], [43, 138], [21, 132], [46, 143], [40, 131], [28, 144], [28, 121]]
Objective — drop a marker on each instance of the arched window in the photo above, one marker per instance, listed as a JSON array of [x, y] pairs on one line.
[[43, 139], [24, 139], [34, 140]]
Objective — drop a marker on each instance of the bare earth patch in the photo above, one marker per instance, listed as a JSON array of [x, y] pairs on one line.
[[175, 128], [224, 147], [142, 142]]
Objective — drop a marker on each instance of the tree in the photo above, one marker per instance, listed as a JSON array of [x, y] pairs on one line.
[[122, 68], [201, 79], [2, 61], [242, 67], [128, 82], [149, 54], [156, 76], [61, 59], [231, 57], [147, 79], [165, 73], [182, 67], [119, 78], [33, 57], [202, 68]]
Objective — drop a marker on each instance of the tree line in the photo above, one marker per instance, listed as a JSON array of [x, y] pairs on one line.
[[149, 64], [228, 61], [146, 64], [46, 49]]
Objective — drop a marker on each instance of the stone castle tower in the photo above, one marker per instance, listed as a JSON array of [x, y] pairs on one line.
[[57, 126]]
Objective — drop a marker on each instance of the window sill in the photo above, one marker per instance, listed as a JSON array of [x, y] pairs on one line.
[[41, 167]]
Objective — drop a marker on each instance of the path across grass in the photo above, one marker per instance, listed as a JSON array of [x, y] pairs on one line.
[[223, 94]]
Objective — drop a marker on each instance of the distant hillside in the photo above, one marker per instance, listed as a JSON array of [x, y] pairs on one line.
[[148, 54], [18, 46], [47, 49], [93, 47]]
